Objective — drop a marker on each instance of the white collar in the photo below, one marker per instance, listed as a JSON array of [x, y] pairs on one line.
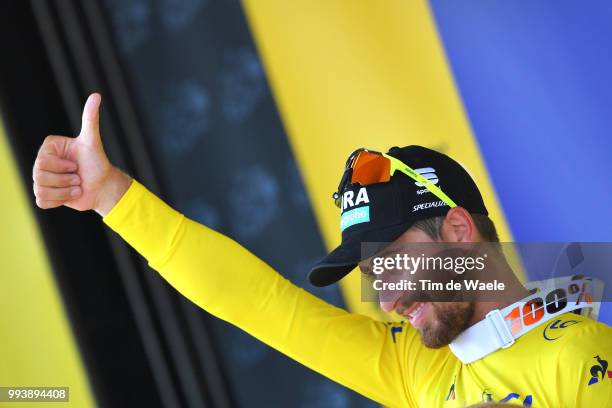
[[500, 328]]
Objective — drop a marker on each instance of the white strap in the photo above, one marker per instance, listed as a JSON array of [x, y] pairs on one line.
[[500, 328]]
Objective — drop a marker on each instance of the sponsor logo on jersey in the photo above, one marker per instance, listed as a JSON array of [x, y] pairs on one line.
[[395, 330], [527, 401], [553, 330], [487, 396], [599, 371], [451, 392]]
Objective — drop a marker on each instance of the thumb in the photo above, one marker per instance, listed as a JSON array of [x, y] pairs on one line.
[[90, 124]]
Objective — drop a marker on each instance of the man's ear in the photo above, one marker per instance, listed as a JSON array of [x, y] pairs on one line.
[[459, 226]]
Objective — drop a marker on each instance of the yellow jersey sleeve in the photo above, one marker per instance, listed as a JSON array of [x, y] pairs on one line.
[[222, 277]]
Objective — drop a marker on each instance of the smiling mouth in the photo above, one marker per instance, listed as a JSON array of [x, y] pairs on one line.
[[415, 313]]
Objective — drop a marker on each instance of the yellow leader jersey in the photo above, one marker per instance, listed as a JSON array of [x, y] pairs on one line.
[[563, 363]]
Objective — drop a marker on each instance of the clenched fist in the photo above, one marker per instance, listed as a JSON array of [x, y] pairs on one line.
[[75, 172]]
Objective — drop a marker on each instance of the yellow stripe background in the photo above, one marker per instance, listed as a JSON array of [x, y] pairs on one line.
[[37, 344], [361, 73]]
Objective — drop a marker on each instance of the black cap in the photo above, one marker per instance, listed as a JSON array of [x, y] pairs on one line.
[[382, 212]]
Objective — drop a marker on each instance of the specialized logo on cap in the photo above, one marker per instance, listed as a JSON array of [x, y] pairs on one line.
[[425, 206], [356, 215]]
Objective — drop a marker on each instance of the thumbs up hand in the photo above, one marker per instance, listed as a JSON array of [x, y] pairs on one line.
[[75, 172]]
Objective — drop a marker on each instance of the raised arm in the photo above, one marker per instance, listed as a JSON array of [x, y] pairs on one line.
[[217, 273]]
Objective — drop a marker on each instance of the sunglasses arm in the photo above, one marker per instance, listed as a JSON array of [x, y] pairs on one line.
[[397, 165]]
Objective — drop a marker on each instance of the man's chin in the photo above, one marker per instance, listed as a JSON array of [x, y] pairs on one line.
[[436, 334], [445, 324], [436, 338]]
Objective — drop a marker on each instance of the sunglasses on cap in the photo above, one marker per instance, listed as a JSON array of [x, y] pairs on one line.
[[366, 167]]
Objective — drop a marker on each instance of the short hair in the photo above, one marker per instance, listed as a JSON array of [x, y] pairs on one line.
[[484, 225]]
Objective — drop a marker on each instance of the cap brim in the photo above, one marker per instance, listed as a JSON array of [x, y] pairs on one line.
[[342, 260]]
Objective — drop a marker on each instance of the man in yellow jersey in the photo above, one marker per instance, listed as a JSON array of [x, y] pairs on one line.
[[562, 363]]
